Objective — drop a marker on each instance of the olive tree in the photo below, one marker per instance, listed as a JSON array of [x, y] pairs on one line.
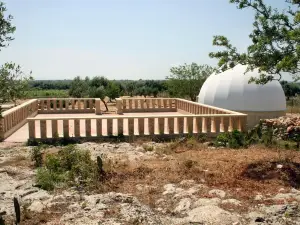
[[13, 82], [186, 80]]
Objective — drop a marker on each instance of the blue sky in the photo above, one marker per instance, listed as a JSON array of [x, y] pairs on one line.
[[120, 39]]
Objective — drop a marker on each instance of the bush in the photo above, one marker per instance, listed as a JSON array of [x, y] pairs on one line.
[[69, 166], [37, 156], [235, 139], [47, 179]]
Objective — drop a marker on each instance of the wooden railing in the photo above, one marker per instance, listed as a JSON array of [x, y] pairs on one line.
[[103, 126], [66, 105], [14, 118], [148, 105]]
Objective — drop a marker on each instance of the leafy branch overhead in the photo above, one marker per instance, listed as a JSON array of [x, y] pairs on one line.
[[6, 28], [275, 42]]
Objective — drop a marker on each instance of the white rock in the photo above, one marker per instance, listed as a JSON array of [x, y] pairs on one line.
[[40, 195], [258, 197], [183, 205], [295, 191], [231, 201], [283, 196], [169, 189], [36, 206], [206, 201], [211, 215], [217, 192], [187, 183]]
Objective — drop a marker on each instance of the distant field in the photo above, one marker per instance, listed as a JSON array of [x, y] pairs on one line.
[[47, 94]]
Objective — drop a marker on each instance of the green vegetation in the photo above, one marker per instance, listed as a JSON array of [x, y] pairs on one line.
[[235, 139], [275, 41], [37, 156], [13, 82], [47, 93], [50, 84], [69, 167], [187, 80]]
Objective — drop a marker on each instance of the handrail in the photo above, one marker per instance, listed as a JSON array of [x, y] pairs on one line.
[[16, 108], [208, 106], [138, 117]]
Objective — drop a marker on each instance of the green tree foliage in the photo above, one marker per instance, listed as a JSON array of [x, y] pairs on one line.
[[290, 89], [78, 88], [50, 84], [113, 90], [97, 87], [13, 82], [149, 88], [6, 27], [275, 42], [130, 88], [187, 80]]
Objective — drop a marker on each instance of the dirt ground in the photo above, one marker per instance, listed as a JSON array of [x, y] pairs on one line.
[[149, 171]]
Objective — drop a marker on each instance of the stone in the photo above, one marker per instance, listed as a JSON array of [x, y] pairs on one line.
[[295, 191], [180, 193], [187, 183], [169, 189], [208, 143], [218, 193], [258, 197], [206, 201], [283, 196], [231, 201], [36, 206], [211, 214], [183, 205]]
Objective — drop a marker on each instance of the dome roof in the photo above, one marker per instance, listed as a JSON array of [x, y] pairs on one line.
[[230, 90]]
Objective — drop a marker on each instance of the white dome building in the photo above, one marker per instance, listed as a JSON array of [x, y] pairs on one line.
[[231, 90]]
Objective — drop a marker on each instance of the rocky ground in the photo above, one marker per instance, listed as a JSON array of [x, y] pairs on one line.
[[174, 200]]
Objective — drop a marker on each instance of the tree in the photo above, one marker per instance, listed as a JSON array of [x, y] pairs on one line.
[[98, 88], [187, 80], [13, 82], [79, 88], [113, 90], [275, 42], [290, 89], [6, 27], [130, 88]]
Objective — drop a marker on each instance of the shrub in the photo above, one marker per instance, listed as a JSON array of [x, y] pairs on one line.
[[188, 164], [69, 166], [235, 139], [148, 148], [37, 156], [47, 179]]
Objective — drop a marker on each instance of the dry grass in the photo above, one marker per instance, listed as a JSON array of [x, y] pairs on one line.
[[19, 160], [241, 173], [227, 169]]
